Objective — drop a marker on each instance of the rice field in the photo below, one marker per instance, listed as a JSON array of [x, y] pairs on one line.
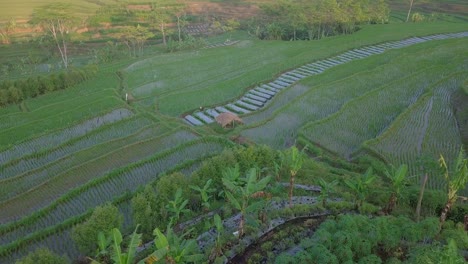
[[331, 91], [66, 152]]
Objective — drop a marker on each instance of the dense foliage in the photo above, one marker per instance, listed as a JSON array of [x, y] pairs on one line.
[[12, 92], [358, 238], [292, 20]]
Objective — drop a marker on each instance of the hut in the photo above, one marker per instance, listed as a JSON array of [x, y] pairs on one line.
[[228, 119]]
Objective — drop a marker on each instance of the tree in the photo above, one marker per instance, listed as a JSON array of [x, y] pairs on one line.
[[360, 186], [241, 193], [42, 256], [205, 193], [6, 30], [58, 19], [294, 160], [398, 180], [160, 16], [409, 10], [134, 38], [456, 180], [172, 249], [103, 219], [325, 189], [177, 207], [144, 209]]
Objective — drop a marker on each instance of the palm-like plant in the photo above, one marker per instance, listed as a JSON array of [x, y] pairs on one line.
[[241, 193], [205, 193], [325, 189], [295, 159], [455, 181], [360, 187], [115, 239], [217, 249], [398, 180], [172, 249], [177, 207]]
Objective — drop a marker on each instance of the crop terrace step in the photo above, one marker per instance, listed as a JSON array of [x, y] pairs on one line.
[[237, 109], [316, 67], [329, 65], [343, 59], [372, 50], [246, 105], [364, 53], [307, 70], [252, 101], [265, 91], [211, 112], [279, 82], [301, 71], [332, 62], [351, 56], [274, 85], [269, 88], [192, 120], [260, 98], [335, 61], [297, 74], [221, 109], [291, 77], [286, 80], [322, 65], [204, 117]]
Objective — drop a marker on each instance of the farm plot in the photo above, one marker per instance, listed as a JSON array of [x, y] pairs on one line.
[[427, 129], [326, 98], [58, 119], [184, 81], [33, 170], [109, 188], [49, 190], [57, 138], [367, 116]]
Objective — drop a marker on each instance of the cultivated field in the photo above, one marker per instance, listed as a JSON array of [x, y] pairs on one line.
[[64, 153]]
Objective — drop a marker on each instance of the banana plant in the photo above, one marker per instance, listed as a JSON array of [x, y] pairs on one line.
[[217, 249], [360, 186], [398, 180], [205, 193], [172, 249], [325, 189], [115, 241], [241, 193], [456, 180], [177, 207], [295, 159]]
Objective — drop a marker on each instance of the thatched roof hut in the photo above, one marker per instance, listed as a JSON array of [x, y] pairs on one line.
[[226, 119]]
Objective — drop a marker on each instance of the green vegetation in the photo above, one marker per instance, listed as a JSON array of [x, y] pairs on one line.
[[96, 160]]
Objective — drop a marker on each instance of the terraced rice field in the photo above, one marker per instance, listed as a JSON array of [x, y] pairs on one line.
[[395, 106], [73, 150]]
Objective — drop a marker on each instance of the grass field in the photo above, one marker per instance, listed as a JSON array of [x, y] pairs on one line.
[[63, 153]]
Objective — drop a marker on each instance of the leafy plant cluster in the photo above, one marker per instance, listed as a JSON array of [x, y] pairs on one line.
[[360, 239], [13, 92], [292, 20]]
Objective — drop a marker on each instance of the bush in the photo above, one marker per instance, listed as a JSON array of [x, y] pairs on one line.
[[13, 93], [42, 256]]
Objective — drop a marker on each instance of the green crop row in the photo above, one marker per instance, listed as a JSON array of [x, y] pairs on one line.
[[48, 212]]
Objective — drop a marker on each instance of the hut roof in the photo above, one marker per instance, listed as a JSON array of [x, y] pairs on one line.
[[225, 119]]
